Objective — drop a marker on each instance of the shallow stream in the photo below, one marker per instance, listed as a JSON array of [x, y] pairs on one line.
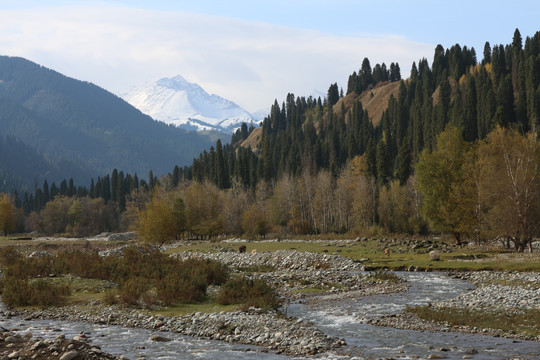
[[339, 318]]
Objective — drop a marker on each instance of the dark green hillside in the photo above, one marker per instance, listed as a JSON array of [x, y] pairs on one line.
[[21, 167], [63, 118]]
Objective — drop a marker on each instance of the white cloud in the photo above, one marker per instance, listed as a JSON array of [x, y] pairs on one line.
[[250, 63]]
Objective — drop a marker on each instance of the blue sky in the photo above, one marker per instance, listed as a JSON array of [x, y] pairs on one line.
[[251, 52]]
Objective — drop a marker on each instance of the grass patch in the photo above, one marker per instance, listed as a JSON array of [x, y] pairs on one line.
[[380, 276], [312, 290], [523, 322]]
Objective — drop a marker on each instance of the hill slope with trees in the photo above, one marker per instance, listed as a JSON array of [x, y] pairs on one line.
[[455, 151], [71, 121]]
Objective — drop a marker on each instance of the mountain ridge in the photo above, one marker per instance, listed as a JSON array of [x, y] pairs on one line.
[[176, 101], [64, 118]]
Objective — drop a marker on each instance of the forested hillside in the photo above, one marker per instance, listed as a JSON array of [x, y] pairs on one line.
[[474, 96], [455, 150], [21, 166], [70, 121]]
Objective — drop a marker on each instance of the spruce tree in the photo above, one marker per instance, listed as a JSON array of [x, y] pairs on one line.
[[487, 53], [365, 77]]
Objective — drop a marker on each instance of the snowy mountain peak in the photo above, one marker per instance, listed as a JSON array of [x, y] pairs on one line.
[[178, 102], [178, 83]]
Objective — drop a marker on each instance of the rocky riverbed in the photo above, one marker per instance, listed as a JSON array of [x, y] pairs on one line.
[[13, 345], [293, 272], [307, 278], [271, 330], [495, 291]]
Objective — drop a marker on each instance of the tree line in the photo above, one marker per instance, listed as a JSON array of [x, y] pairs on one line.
[[321, 165], [477, 190]]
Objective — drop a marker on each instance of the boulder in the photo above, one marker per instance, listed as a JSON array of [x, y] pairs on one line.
[[434, 255], [158, 338], [70, 355]]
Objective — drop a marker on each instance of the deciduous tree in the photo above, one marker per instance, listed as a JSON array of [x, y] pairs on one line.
[[446, 186], [512, 185], [7, 214]]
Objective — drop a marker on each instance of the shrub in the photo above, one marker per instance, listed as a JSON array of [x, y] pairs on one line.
[[110, 297], [208, 271], [46, 294], [21, 292], [256, 293], [130, 292], [15, 292], [176, 288]]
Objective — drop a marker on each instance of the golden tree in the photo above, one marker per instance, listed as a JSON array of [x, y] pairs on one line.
[[511, 185], [162, 218], [7, 214], [204, 206]]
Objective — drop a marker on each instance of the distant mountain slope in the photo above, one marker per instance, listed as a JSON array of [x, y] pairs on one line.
[[64, 118], [178, 102], [22, 167]]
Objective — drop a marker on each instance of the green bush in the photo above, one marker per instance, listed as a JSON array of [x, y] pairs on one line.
[[110, 297], [45, 294], [21, 292], [248, 293], [144, 275], [15, 291], [175, 288], [131, 291], [210, 272]]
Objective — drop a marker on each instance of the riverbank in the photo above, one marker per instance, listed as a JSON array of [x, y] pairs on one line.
[[297, 276], [308, 278]]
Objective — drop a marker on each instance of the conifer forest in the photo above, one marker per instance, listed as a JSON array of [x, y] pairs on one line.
[[455, 150]]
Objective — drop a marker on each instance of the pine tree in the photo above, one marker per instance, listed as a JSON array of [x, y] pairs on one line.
[[404, 164], [333, 94], [487, 53], [365, 78], [221, 176], [440, 64], [46, 195], [114, 185], [383, 163]]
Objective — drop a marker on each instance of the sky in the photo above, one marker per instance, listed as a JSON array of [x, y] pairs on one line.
[[248, 51]]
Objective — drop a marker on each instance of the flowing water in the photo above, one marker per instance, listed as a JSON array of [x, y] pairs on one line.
[[340, 318], [371, 342]]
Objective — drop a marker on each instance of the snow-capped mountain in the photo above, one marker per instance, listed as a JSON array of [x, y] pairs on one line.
[[181, 103], [259, 115]]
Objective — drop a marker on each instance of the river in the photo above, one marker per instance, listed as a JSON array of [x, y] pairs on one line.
[[338, 318]]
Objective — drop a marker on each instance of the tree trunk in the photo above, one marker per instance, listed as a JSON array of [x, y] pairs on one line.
[[457, 236], [519, 245]]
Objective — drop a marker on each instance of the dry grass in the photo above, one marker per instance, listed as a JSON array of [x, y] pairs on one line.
[[377, 104], [253, 139]]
